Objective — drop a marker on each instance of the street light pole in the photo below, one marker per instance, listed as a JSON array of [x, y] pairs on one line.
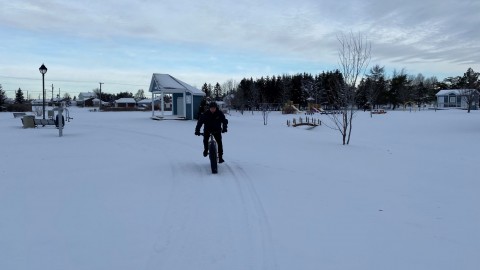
[[100, 97], [43, 70]]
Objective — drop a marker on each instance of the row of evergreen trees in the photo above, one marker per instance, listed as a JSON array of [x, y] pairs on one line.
[[375, 89], [19, 97]]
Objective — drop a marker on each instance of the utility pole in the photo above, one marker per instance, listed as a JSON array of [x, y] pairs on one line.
[[52, 93], [100, 97]]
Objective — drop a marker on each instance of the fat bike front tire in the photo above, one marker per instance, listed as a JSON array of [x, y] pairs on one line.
[[213, 157]]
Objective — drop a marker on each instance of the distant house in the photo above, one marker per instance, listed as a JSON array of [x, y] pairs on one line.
[[96, 102], [38, 102], [125, 103], [85, 95], [456, 98], [85, 99], [148, 102], [87, 102]]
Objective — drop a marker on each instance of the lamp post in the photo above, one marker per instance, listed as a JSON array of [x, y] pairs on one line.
[[43, 70], [100, 97]]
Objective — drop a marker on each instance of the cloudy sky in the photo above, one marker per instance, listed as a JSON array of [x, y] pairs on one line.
[[122, 42]]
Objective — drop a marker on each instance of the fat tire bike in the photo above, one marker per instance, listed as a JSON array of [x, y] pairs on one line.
[[212, 153]]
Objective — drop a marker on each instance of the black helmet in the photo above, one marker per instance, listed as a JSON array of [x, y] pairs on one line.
[[212, 104]]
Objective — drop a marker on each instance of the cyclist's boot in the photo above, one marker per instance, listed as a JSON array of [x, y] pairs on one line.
[[220, 159], [205, 153]]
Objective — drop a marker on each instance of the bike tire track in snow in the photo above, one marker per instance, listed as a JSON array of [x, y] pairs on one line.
[[258, 219], [212, 222]]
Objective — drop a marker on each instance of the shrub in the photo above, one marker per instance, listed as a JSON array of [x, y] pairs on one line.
[[26, 107]]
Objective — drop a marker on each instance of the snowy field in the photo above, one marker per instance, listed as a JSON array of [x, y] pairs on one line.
[[121, 191]]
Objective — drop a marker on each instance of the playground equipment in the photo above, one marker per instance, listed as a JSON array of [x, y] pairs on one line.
[[290, 108], [315, 108]]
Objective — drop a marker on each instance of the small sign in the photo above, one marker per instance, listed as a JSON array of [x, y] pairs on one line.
[[188, 99]]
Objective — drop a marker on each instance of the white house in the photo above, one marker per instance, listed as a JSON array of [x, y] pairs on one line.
[[456, 98], [125, 103]]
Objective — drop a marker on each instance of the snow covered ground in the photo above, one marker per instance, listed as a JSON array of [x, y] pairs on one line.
[[121, 191]]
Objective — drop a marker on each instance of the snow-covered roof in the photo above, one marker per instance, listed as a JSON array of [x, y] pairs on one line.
[[168, 84], [147, 101], [38, 101], [85, 95], [452, 91], [125, 100]]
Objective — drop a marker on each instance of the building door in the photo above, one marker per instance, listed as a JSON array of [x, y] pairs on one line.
[[180, 107]]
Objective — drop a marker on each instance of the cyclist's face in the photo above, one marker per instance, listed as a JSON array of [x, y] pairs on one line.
[[213, 109]]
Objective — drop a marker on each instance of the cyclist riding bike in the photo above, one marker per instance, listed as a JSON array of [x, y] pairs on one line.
[[215, 123]]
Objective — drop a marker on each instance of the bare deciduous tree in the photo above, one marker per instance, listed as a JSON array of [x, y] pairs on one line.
[[265, 111], [354, 56], [139, 95], [229, 86], [470, 96]]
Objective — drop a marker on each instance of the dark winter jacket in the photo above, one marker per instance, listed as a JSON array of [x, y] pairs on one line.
[[213, 122]]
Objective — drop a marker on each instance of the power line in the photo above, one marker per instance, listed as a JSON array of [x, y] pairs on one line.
[[71, 81]]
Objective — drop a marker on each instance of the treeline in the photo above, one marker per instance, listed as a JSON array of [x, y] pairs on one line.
[[375, 89]]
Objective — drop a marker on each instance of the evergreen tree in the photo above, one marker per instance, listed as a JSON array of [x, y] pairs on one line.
[[3, 95], [246, 95], [122, 95], [19, 99], [471, 79], [419, 92], [400, 90], [298, 95], [452, 83], [432, 86], [260, 87], [371, 88], [217, 92], [470, 84], [206, 90]]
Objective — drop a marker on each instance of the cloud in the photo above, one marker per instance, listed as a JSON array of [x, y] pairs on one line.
[[237, 38]]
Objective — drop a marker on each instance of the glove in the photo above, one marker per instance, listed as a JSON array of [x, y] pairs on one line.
[[197, 132], [224, 130]]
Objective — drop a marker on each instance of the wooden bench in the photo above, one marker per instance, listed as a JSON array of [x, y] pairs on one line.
[[44, 122], [378, 111], [331, 112], [18, 114]]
